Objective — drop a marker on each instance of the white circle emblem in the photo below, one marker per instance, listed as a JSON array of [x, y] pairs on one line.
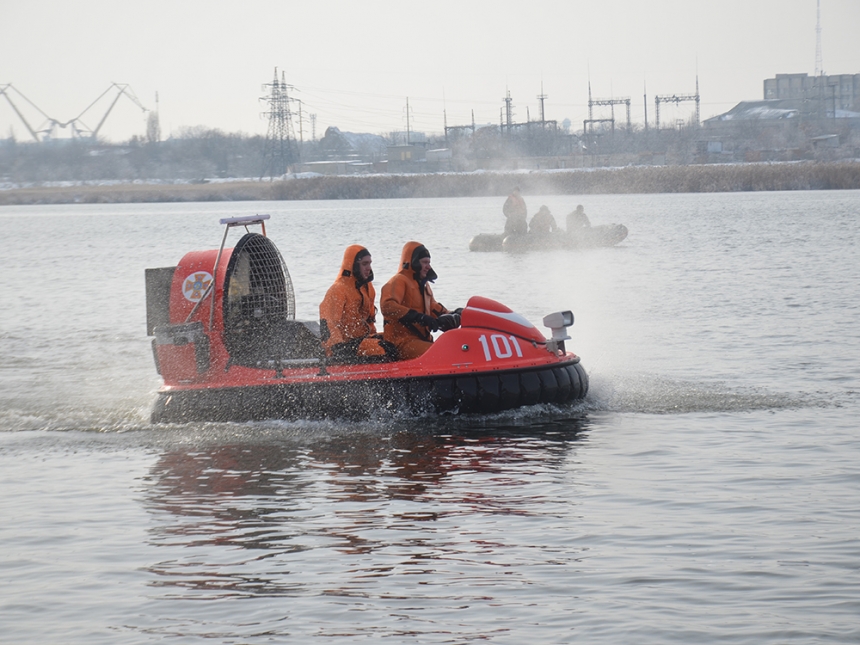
[[195, 285]]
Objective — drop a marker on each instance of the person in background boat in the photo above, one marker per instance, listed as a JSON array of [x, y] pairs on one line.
[[543, 222], [348, 313], [516, 214], [577, 220], [409, 309]]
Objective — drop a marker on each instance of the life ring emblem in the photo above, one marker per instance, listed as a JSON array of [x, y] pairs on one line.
[[195, 285]]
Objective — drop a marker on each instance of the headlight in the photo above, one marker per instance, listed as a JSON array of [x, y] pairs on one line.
[[558, 319], [558, 322]]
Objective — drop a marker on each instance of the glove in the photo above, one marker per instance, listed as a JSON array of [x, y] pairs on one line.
[[429, 322], [448, 321]]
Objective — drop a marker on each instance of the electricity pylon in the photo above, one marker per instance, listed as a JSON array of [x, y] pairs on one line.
[[280, 149]]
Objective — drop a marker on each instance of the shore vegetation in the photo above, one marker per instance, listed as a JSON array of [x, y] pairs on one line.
[[843, 175]]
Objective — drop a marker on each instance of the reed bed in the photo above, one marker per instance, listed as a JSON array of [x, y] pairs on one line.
[[631, 179]]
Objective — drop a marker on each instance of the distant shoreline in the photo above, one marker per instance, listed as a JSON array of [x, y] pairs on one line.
[[837, 175]]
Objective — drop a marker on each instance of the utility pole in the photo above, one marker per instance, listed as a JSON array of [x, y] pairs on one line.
[[645, 103], [408, 138], [590, 115], [542, 97], [509, 111], [819, 66], [301, 127]]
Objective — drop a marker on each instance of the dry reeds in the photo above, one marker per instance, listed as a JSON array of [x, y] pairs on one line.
[[631, 179]]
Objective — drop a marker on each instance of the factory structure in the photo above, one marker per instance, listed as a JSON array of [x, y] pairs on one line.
[[798, 117]]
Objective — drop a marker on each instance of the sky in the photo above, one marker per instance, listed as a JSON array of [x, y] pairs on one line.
[[355, 64]]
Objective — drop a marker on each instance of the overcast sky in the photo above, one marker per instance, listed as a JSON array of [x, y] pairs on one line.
[[353, 63]]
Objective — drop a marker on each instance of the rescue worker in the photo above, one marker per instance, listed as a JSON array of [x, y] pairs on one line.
[[409, 309], [543, 222], [577, 220], [516, 215], [348, 313]]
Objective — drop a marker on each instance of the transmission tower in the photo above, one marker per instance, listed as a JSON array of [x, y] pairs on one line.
[[280, 149]]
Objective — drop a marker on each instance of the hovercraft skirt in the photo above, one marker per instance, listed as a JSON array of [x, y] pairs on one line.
[[484, 392]]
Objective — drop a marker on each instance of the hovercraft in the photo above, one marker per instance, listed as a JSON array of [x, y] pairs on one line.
[[228, 347], [586, 237]]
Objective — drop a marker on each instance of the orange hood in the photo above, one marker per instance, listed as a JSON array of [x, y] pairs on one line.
[[406, 262], [406, 254], [347, 265]]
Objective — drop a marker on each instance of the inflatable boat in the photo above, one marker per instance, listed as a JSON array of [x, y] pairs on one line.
[[583, 238], [228, 347]]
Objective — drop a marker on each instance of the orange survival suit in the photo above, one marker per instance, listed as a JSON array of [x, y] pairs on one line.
[[406, 304], [348, 313]]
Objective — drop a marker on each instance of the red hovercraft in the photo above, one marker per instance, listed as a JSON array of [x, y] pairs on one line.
[[229, 349]]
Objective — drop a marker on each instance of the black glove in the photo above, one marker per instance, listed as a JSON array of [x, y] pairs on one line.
[[429, 322], [448, 321], [458, 311]]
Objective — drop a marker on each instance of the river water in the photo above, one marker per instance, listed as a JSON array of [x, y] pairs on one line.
[[705, 491]]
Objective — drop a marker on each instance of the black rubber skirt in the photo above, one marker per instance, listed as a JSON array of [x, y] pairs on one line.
[[471, 393]]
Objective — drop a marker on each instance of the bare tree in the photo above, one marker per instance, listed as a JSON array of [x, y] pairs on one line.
[[153, 128]]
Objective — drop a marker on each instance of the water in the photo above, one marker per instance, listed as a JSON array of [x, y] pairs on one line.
[[704, 492]]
